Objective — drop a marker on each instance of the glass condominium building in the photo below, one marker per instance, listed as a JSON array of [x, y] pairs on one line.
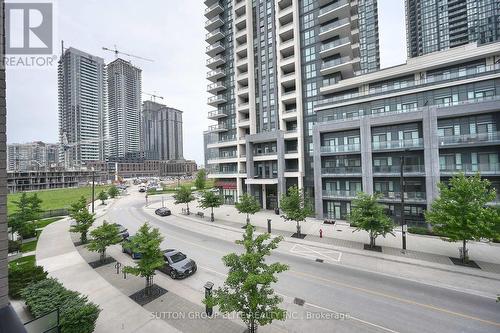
[[435, 25], [267, 63]]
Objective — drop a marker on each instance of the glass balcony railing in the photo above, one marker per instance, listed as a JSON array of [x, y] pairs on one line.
[[340, 193], [335, 43], [342, 170], [223, 157], [265, 153], [482, 168], [218, 127], [216, 86], [410, 196], [335, 62], [217, 114], [467, 139], [398, 144], [331, 7], [396, 169], [333, 25], [355, 147]]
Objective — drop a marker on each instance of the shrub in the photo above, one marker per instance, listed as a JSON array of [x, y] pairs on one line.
[[22, 276], [28, 230], [77, 314], [424, 231], [14, 246]]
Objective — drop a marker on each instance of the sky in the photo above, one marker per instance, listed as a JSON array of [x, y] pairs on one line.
[[171, 32]]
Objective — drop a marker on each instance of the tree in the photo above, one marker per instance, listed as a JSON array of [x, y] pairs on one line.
[[210, 200], [28, 210], [113, 192], [146, 242], [102, 237], [103, 197], [201, 179], [369, 215], [184, 195], [247, 289], [295, 206], [82, 217], [461, 211], [247, 204]]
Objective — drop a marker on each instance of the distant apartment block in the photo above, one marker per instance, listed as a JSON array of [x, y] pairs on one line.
[[124, 103], [162, 131], [82, 108], [440, 25], [267, 62], [32, 156]]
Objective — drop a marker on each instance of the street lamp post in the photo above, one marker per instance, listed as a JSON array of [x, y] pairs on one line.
[[93, 189], [402, 189]]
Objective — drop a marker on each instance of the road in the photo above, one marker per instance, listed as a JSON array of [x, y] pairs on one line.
[[373, 302]]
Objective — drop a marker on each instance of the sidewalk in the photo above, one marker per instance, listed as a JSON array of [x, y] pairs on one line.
[[421, 250]]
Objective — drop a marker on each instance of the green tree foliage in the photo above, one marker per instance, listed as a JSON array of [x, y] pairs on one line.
[[210, 200], [103, 236], [295, 206], [247, 204], [184, 195], [247, 289], [28, 211], [77, 314], [201, 179], [369, 215], [23, 275], [103, 196], [82, 217], [146, 242], [461, 211], [113, 192]]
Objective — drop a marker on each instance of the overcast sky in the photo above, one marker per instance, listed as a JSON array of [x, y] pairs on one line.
[[169, 31]]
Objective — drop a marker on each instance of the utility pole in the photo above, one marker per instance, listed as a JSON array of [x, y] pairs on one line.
[[93, 189], [402, 189]]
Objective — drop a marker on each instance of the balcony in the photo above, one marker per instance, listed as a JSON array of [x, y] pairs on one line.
[[215, 87], [215, 62], [226, 156], [484, 169], [216, 114], [214, 49], [336, 9], [342, 171], [398, 144], [349, 148], [218, 128], [410, 197], [470, 139], [224, 142], [244, 107], [209, 3], [214, 23], [395, 170], [340, 194], [341, 27], [213, 11], [343, 64], [342, 45], [265, 153], [216, 100], [214, 36], [216, 74], [289, 114]]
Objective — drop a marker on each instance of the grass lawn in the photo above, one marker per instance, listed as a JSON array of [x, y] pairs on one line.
[[29, 260], [28, 247], [190, 183], [56, 199], [46, 222]]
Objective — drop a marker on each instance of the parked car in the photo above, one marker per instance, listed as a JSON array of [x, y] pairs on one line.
[[163, 211], [122, 230], [142, 189], [177, 264], [127, 248]]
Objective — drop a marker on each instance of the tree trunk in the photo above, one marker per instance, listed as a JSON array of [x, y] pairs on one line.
[[465, 256], [103, 256], [372, 240], [187, 205], [212, 215], [298, 228], [83, 237], [248, 219], [252, 327]]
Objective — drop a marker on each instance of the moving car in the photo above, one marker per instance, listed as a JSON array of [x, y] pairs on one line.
[[142, 189], [122, 230], [127, 248], [163, 211], [177, 264]]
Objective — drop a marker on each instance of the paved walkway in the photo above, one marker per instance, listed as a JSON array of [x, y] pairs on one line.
[[420, 249]]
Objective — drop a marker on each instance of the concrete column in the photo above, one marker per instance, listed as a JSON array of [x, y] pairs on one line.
[[264, 206], [280, 145], [366, 155], [250, 165], [318, 181], [431, 154]]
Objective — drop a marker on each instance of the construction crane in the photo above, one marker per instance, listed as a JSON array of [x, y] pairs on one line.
[[67, 146], [116, 52], [153, 96]]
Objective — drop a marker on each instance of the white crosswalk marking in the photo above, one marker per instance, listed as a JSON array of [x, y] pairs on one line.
[[330, 255]]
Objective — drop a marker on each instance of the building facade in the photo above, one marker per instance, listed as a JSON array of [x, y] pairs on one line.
[[32, 156], [124, 103], [82, 108], [439, 114], [440, 25], [162, 131], [267, 61]]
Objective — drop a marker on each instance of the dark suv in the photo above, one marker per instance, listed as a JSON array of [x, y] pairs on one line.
[[163, 211], [127, 248], [122, 230], [177, 264]]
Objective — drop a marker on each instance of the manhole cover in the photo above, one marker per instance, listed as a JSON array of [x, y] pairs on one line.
[[299, 301]]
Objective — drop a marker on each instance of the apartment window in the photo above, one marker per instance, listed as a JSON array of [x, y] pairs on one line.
[[309, 54]]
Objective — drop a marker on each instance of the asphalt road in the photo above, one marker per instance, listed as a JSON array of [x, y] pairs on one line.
[[372, 302]]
